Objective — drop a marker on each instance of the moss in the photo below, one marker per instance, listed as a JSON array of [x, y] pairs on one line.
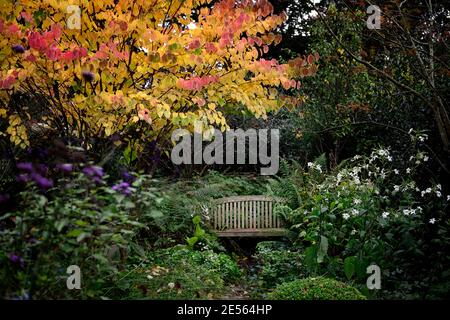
[[318, 288]]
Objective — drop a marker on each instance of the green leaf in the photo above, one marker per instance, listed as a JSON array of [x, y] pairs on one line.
[[129, 154], [361, 268], [196, 219], [174, 46], [74, 233], [81, 223], [191, 241], [129, 205], [155, 214], [311, 256], [100, 258], [82, 235], [349, 266], [60, 224]]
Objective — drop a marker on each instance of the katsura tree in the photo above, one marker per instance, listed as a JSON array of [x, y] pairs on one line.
[[107, 67]]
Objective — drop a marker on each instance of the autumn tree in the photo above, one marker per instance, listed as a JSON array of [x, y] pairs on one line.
[[139, 65]]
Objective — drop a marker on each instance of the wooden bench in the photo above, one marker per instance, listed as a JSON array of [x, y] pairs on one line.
[[246, 216]]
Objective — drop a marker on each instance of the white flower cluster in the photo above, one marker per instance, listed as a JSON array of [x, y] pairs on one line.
[[437, 191], [315, 166], [422, 137], [382, 154]]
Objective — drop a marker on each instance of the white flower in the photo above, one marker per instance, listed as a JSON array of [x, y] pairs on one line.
[[439, 187], [171, 285], [410, 130], [357, 201], [355, 212], [345, 216], [389, 158], [425, 158], [438, 194], [423, 137], [149, 277], [396, 188], [406, 212], [353, 232], [396, 171], [408, 170], [383, 152], [310, 164], [385, 214], [432, 220], [428, 190], [448, 198]]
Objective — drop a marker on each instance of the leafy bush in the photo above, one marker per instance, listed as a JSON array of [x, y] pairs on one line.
[[179, 273], [77, 224], [315, 289], [371, 211], [277, 264]]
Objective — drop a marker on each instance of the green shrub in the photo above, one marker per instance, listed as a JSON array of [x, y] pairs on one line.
[[369, 211], [277, 264], [179, 273], [82, 222], [315, 289]]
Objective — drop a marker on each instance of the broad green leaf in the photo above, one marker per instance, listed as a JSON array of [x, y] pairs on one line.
[[349, 266]]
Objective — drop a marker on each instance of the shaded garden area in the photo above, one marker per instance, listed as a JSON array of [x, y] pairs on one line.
[[91, 94]]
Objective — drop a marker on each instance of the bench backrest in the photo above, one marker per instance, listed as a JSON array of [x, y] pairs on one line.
[[245, 212]]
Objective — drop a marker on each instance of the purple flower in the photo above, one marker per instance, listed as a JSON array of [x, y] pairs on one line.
[[123, 187], [25, 166], [17, 48], [65, 167], [94, 172], [16, 259], [98, 171], [42, 182]]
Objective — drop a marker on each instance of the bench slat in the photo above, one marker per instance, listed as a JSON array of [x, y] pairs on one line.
[[246, 215]]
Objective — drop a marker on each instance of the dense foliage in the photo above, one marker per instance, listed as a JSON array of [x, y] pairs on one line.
[[316, 289]]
